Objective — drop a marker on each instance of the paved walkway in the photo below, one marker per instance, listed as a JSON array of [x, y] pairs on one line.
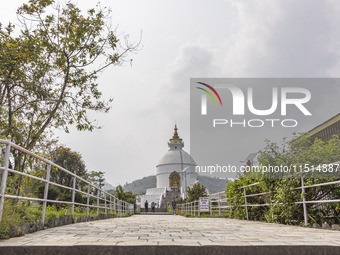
[[176, 230], [173, 231]]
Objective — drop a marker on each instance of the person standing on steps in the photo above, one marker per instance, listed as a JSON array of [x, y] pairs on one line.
[[146, 205], [173, 203], [153, 207]]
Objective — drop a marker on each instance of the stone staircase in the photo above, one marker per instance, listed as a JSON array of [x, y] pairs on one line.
[[169, 197], [158, 211], [163, 210]]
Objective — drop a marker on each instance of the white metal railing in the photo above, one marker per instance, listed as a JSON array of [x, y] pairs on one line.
[[191, 208], [304, 202], [105, 200], [219, 203]]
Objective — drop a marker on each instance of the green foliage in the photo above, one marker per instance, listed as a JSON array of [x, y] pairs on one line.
[[69, 160], [53, 192], [127, 196], [195, 192], [120, 192], [283, 193], [97, 178], [16, 214]]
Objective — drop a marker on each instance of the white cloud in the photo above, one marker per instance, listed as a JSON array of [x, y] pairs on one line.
[[283, 38]]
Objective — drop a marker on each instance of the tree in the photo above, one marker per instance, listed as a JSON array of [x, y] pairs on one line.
[[49, 70], [125, 196], [197, 191], [97, 178], [120, 194], [69, 160]]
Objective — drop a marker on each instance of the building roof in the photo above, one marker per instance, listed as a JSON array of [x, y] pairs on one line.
[[324, 125]]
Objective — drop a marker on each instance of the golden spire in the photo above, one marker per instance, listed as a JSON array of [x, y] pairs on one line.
[[175, 133], [175, 138]]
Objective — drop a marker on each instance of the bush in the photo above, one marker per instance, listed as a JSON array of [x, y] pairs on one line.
[[53, 192]]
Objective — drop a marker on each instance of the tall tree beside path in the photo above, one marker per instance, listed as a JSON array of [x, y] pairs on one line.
[[49, 70]]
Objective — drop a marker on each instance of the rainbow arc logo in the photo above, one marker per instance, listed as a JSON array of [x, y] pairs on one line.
[[204, 97]]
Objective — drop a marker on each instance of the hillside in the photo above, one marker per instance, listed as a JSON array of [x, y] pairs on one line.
[[213, 184], [139, 186]]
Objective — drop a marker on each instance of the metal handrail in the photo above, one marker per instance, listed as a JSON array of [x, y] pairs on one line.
[[118, 206], [220, 199]]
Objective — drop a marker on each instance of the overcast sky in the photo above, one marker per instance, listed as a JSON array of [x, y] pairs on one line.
[[195, 38]]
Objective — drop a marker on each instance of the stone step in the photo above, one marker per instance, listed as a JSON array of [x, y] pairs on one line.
[[156, 209], [155, 213]]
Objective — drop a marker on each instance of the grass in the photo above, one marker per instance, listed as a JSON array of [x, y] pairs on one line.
[[14, 215]]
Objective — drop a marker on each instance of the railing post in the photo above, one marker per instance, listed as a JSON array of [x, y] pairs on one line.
[[114, 205], [196, 210], [210, 206], [304, 201], [219, 204], [245, 201], [118, 207], [73, 193], [111, 204], [48, 174], [88, 200], [272, 207], [105, 204], [4, 176], [199, 208], [98, 202]]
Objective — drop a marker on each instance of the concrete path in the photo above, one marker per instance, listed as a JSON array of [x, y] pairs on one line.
[[167, 231]]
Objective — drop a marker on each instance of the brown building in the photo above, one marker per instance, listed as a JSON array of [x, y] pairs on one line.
[[326, 130]]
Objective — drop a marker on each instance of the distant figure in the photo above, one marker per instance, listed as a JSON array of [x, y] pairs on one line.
[[146, 205], [153, 207], [173, 203]]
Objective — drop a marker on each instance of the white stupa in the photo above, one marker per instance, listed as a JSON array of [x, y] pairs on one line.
[[174, 171]]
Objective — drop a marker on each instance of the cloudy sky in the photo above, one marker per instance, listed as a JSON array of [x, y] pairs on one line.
[[194, 38]]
